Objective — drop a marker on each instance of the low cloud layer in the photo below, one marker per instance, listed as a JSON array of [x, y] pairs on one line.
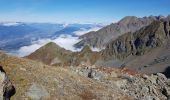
[[83, 31], [65, 41]]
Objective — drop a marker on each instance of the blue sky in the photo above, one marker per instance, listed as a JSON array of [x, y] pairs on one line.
[[84, 11]]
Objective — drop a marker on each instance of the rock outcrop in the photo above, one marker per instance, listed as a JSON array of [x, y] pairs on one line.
[[139, 42], [6, 88]]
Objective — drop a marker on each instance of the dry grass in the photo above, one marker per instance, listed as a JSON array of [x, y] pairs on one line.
[[23, 73]]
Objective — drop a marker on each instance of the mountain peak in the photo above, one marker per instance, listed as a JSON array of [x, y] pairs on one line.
[[49, 52], [51, 44], [128, 19]]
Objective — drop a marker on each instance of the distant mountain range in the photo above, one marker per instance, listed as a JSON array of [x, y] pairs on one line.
[[15, 35]]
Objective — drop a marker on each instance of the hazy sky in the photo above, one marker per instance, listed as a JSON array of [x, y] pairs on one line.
[[69, 11]]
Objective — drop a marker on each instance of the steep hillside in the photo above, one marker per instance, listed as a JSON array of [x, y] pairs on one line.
[[101, 37], [36, 81], [139, 42], [146, 50]]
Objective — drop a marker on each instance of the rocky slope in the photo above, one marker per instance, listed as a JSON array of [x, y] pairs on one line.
[[139, 42], [148, 46], [36, 81], [128, 24], [138, 86]]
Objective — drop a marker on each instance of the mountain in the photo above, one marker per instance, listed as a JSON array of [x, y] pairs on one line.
[[133, 66], [51, 54], [71, 28], [67, 30], [146, 50], [37, 81], [129, 50], [139, 42], [101, 37]]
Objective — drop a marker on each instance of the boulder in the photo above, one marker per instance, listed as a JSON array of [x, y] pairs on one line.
[[6, 88]]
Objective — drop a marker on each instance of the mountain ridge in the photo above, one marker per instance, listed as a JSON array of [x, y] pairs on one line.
[[117, 52], [128, 24]]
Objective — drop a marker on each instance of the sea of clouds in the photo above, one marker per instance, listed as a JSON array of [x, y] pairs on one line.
[[64, 40]]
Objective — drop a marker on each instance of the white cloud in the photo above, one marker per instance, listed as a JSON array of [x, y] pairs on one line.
[[84, 31], [65, 41], [95, 49], [65, 25], [10, 24], [26, 50]]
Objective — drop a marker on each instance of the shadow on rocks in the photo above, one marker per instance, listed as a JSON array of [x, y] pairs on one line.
[[167, 72]]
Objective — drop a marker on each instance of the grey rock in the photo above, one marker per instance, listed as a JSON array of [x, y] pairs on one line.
[[153, 79], [37, 92], [161, 76], [166, 92], [6, 88], [145, 89], [95, 75]]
